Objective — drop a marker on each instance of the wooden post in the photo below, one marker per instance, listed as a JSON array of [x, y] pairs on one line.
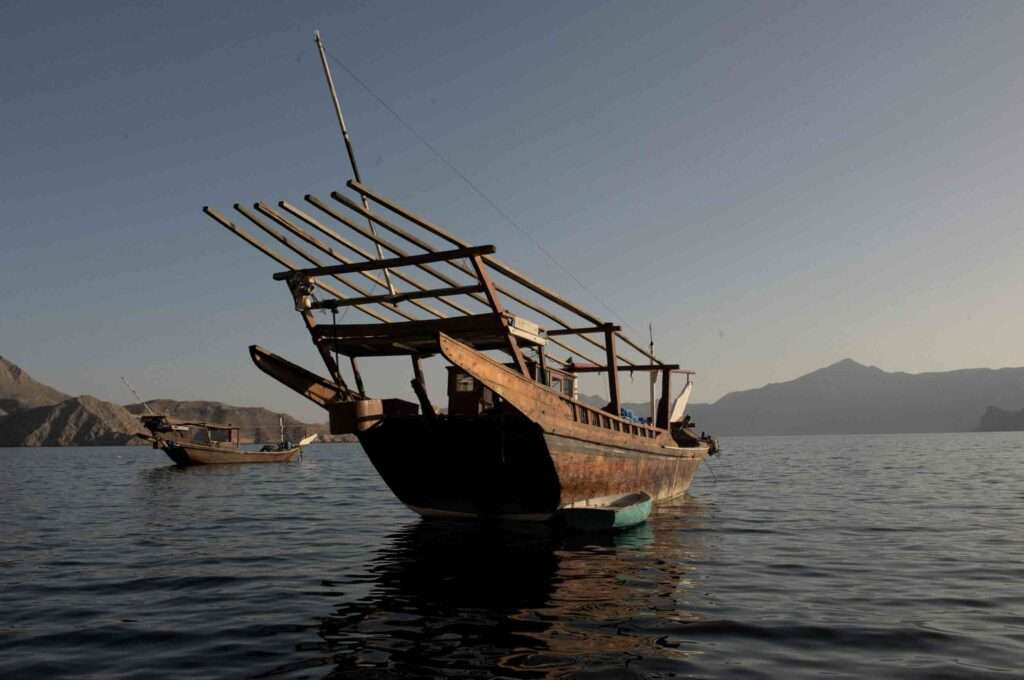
[[492, 299], [348, 143], [358, 376], [542, 376], [351, 205], [420, 388], [666, 394], [614, 406], [230, 226], [310, 321], [313, 200], [653, 375], [493, 262]]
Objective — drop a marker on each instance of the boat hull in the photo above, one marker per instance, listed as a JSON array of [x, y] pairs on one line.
[[608, 513], [506, 467], [197, 454]]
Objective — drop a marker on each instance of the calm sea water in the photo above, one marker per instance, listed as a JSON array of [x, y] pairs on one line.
[[878, 556]]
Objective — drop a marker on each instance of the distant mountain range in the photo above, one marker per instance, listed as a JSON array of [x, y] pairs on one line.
[[1001, 420], [844, 398], [256, 423], [851, 398], [34, 414], [18, 391]]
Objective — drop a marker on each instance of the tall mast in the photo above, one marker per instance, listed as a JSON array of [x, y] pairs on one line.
[[348, 147], [650, 328]]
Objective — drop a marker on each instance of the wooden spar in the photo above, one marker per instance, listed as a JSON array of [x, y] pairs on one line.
[[348, 140], [402, 338], [602, 328], [306, 383], [397, 297], [492, 262], [653, 375], [310, 321], [312, 260], [230, 226], [330, 233], [316, 202], [613, 375], [311, 240], [492, 297], [357, 375], [402, 233], [325, 355], [327, 250], [666, 395], [313, 200], [580, 368], [441, 256], [419, 386]]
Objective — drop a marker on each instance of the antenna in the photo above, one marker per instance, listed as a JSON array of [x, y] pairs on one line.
[[348, 148], [144, 404]]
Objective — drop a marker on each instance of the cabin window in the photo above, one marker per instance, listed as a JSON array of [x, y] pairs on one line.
[[556, 383], [464, 383]]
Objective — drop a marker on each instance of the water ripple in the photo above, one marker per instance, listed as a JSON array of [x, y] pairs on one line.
[[887, 556]]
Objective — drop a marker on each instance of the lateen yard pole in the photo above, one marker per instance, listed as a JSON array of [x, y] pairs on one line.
[[348, 146]]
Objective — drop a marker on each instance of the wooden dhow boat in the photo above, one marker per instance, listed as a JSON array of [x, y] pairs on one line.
[[515, 442], [220, 445]]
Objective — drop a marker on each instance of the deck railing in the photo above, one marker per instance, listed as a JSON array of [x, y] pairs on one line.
[[588, 415]]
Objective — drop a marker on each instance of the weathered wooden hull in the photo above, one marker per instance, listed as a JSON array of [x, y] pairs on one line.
[[590, 469], [198, 454], [507, 467]]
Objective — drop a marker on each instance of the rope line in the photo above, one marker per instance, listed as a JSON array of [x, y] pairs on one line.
[[479, 192]]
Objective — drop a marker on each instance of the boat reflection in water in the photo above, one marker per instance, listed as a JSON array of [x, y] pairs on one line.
[[460, 600]]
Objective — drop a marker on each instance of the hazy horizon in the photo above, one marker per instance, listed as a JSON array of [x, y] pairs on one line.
[[776, 186]]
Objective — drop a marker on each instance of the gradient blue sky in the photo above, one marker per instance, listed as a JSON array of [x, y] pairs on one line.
[[777, 185]]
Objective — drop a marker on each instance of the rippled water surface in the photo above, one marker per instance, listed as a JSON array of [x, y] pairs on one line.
[[880, 556]]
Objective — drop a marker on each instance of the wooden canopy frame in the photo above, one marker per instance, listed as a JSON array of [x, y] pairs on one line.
[[400, 328]]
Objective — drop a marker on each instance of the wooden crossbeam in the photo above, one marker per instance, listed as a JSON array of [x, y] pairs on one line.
[[583, 368], [387, 263], [398, 297], [603, 328], [492, 262], [401, 233]]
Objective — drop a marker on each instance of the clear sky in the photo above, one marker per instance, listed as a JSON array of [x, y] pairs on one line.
[[775, 185]]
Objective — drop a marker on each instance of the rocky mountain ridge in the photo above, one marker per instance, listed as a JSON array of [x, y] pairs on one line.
[[34, 414], [19, 391], [850, 398], [997, 419]]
